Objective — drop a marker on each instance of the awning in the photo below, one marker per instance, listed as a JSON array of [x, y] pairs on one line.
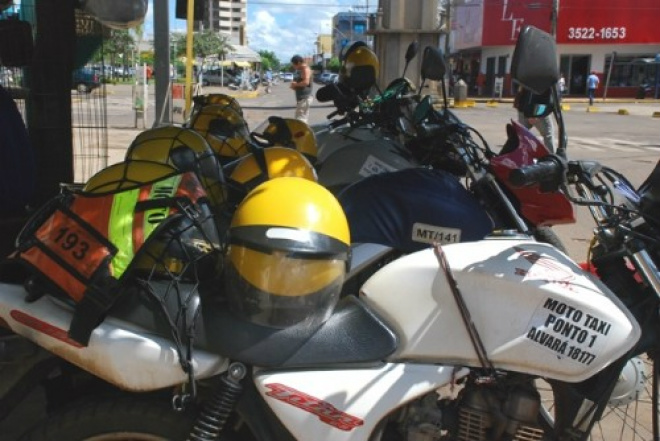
[[242, 63]]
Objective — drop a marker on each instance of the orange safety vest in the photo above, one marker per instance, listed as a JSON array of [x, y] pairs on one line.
[[89, 241]]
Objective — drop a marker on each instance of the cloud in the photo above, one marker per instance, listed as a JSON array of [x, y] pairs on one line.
[[285, 27], [291, 27]]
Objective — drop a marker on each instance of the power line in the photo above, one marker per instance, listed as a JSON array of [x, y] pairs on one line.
[[325, 5]]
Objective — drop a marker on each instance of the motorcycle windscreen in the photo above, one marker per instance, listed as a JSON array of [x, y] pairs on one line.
[[413, 208]]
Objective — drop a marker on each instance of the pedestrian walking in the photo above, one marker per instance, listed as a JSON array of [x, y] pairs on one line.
[[592, 85], [302, 85], [269, 80], [562, 85], [536, 111]]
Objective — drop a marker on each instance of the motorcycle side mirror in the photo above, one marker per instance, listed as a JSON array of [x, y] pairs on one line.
[[327, 93], [434, 65], [534, 64], [412, 50]]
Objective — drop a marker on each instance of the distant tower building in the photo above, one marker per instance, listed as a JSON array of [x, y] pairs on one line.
[[228, 17]]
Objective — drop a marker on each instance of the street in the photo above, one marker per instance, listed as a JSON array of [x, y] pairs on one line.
[[622, 134]]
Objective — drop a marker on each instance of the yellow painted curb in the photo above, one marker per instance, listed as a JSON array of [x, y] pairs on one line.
[[592, 109], [623, 112], [492, 104], [463, 104], [565, 107], [656, 114], [246, 94]]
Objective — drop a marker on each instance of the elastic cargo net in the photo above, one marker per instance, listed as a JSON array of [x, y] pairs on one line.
[[133, 221]]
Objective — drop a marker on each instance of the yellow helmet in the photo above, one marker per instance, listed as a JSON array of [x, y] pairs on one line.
[[265, 164], [292, 133], [186, 150], [224, 129], [359, 68], [288, 256], [200, 101]]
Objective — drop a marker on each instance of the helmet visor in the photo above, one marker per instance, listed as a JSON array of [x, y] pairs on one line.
[[281, 289]]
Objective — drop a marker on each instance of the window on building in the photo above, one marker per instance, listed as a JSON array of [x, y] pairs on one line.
[[631, 70]]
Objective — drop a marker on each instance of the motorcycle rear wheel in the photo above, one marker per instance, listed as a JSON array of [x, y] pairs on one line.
[[114, 419], [632, 412]]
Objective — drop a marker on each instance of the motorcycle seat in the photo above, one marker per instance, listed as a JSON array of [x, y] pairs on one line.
[[353, 333]]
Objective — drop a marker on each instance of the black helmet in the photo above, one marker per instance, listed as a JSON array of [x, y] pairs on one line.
[[359, 67]]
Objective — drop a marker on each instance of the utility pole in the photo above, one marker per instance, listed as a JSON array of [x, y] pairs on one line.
[[553, 18], [447, 29], [162, 61]]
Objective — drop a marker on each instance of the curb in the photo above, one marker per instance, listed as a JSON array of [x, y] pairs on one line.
[[245, 94]]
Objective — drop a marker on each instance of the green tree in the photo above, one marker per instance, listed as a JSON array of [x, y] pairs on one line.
[[269, 61], [205, 44], [119, 48], [333, 64]]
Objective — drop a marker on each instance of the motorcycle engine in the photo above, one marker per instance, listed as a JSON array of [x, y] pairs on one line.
[[478, 413]]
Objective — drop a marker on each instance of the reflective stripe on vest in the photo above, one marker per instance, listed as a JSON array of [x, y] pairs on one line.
[[129, 230]]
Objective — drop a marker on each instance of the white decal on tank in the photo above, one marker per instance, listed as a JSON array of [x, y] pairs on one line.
[[544, 268], [431, 234], [374, 166], [568, 331]]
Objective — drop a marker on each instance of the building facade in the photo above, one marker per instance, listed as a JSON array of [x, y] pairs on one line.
[[619, 40], [323, 47], [228, 17], [348, 27]]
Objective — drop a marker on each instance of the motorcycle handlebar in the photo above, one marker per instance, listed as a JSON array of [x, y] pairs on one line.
[[427, 130], [550, 169]]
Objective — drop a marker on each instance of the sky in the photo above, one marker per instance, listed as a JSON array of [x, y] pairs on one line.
[[285, 27]]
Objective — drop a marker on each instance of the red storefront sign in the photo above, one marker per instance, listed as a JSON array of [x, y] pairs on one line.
[[503, 19], [578, 22], [608, 22]]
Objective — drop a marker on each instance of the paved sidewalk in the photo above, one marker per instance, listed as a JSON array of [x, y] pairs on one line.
[[258, 106]]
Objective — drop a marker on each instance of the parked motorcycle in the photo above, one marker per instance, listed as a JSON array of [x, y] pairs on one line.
[[410, 208], [378, 119], [455, 342]]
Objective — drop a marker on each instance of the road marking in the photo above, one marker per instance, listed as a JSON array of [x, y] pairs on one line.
[[611, 144]]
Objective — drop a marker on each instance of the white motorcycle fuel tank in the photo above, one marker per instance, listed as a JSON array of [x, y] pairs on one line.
[[137, 360], [534, 309]]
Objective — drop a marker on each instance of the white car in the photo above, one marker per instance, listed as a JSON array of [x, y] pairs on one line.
[[287, 77]]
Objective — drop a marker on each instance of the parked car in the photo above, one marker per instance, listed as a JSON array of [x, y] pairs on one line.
[[287, 77], [333, 78], [324, 78], [216, 77], [85, 80]]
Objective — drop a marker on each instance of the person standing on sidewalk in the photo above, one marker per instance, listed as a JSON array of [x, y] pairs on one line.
[[592, 85], [302, 85]]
